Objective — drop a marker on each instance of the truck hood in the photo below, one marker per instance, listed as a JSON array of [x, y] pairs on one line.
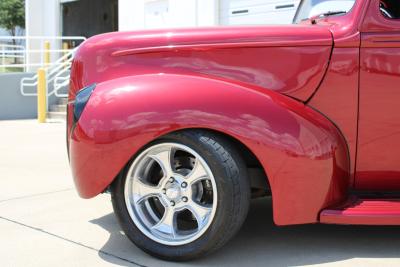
[[288, 59], [285, 35]]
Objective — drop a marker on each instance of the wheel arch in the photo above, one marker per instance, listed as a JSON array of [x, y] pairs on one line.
[[260, 181]]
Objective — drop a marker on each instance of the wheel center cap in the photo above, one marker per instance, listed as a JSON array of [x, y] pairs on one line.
[[173, 193]]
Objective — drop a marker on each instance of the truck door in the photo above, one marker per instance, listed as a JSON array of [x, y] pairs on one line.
[[378, 150]]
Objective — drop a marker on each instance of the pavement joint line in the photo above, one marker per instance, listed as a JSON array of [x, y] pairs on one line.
[[70, 241], [36, 195]]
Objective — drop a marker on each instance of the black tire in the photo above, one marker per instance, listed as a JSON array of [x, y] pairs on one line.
[[233, 190]]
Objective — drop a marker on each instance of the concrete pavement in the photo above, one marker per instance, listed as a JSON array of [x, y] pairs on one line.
[[44, 223]]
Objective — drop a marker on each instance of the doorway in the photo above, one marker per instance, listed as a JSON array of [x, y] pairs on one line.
[[89, 17]]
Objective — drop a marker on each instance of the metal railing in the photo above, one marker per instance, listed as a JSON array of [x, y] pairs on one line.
[[4, 54], [25, 57], [11, 51], [57, 75], [56, 62]]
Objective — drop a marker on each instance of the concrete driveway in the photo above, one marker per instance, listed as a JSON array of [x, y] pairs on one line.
[[44, 223]]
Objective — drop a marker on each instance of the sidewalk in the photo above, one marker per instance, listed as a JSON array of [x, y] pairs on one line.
[[43, 222]]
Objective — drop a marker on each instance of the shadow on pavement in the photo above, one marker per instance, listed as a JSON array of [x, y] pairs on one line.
[[261, 243]]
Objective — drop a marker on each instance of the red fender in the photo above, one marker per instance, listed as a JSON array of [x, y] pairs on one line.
[[303, 154]]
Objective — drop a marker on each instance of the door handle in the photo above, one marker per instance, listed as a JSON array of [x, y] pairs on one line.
[[284, 6], [240, 11]]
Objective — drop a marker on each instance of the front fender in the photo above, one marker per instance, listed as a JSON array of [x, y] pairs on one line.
[[303, 154]]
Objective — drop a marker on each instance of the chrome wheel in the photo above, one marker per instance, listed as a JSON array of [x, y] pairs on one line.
[[170, 194]]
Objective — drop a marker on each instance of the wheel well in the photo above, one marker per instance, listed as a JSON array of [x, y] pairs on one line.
[[256, 173]]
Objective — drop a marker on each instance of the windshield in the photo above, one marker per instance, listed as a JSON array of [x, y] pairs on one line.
[[310, 8]]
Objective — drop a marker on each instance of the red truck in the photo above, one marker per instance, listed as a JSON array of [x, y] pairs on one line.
[[185, 126]]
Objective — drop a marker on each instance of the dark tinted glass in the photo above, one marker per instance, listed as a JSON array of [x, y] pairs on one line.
[[390, 8]]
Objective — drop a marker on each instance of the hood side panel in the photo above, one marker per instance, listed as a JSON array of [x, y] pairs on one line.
[[290, 60]]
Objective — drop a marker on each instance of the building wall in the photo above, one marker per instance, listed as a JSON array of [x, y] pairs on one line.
[[135, 15], [42, 18], [13, 105], [45, 18], [257, 12]]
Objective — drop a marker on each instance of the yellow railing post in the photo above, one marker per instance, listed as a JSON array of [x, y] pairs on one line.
[[41, 95], [46, 56], [65, 47]]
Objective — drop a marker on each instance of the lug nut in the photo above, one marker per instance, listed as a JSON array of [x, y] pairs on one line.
[[184, 199], [172, 203], [171, 180], [164, 190], [184, 185]]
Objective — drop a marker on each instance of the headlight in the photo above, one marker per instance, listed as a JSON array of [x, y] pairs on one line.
[[82, 97]]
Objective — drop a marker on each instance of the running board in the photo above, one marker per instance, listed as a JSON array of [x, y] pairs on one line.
[[364, 212]]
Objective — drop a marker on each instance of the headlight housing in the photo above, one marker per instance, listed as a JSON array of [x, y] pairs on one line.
[[82, 97]]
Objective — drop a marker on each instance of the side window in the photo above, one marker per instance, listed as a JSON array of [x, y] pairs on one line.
[[390, 9]]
